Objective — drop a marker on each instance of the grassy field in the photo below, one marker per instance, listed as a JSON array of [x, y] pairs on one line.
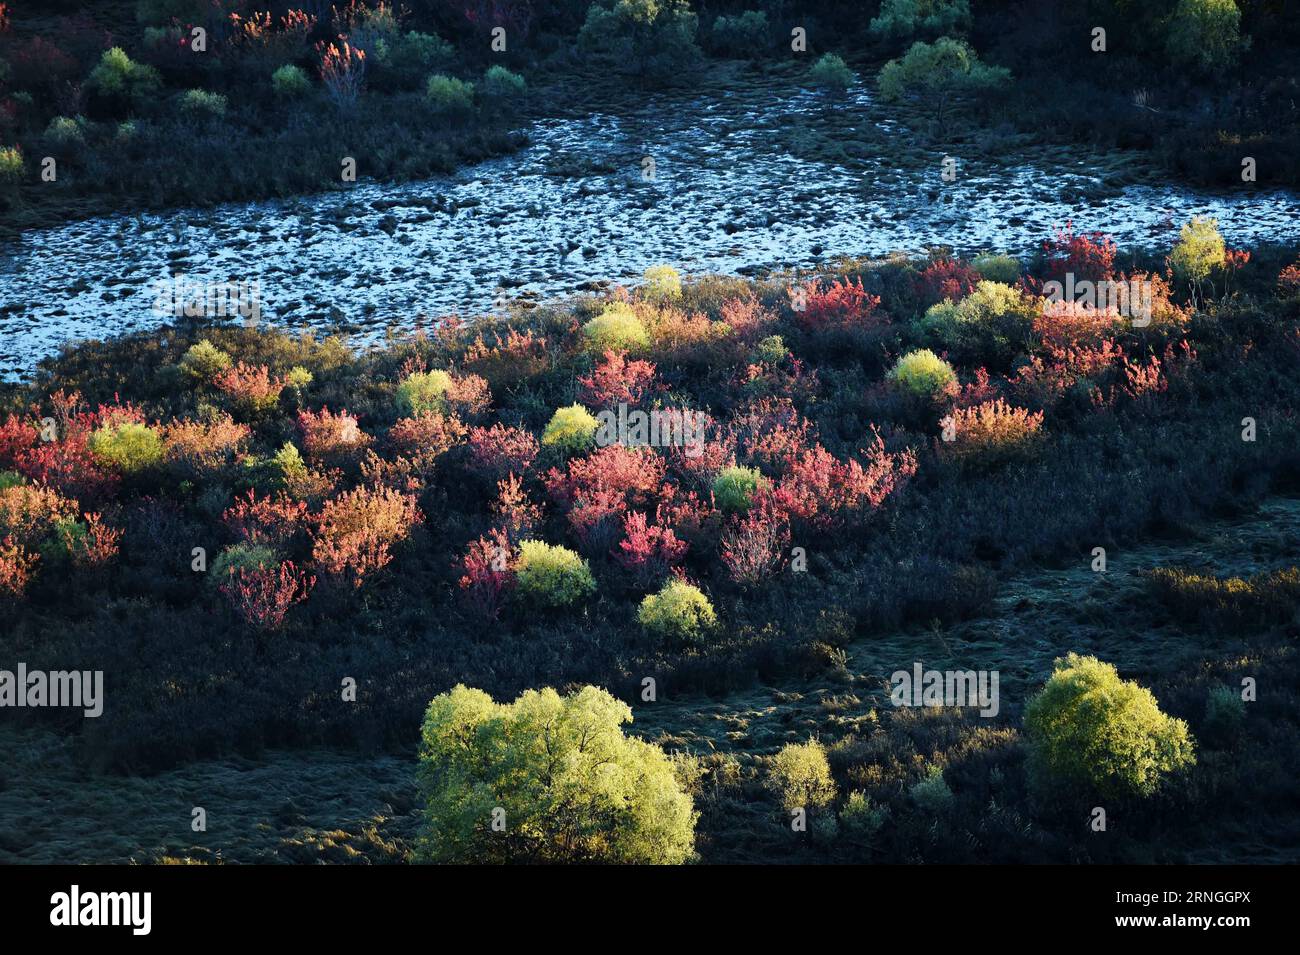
[[334, 806]]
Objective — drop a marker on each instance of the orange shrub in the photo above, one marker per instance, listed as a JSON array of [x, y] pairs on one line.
[[199, 449], [17, 566], [991, 433]]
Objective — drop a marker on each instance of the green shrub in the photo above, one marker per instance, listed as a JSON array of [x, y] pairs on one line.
[[932, 795], [903, 19], [771, 350], [746, 34], [1200, 250], [290, 82], [989, 326], [287, 465], [120, 80], [617, 328], [501, 85], [1231, 603], [560, 774], [414, 55], [860, 820], [1225, 712], [935, 74], [448, 95], [64, 133], [571, 430], [127, 447], [679, 612], [10, 479], [663, 283], [11, 164], [552, 576], [1087, 727], [424, 391], [734, 487], [997, 268], [832, 73], [649, 37], [240, 557], [201, 104], [924, 374], [801, 776], [1206, 34], [203, 361]]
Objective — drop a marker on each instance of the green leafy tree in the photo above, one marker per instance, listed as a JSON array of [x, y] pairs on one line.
[[801, 776], [1205, 34], [1200, 250], [904, 19], [652, 37], [936, 74], [1087, 727], [547, 778]]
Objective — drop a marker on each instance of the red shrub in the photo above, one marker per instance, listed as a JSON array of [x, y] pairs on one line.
[[498, 451], [97, 547], [748, 319], [427, 435], [840, 304], [40, 67], [618, 381], [1088, 256], [487, 577], [753, 545], [252, 388], [636, 474], [355, 530], [262, 596], [508, 361], [269, 520], [514, 512], [648, 551], [826, 493], [692, 518], [328, 436], [17, 435], [1288, 281], [17, 566], [769, 432], [946, 279], [977, 391]]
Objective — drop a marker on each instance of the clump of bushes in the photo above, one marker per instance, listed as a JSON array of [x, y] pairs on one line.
[[747, 34], [204, 361], [551, 575], [992, 433], [801, 776], [830, 72], [424, 391], [557, 773], [203, 104], [1087, 727], [663, 283], [127, 446], [616, 328], [290, 82], [679, 612], [1266, 599], [734, 487], [121, 82], [501, 85], [923, 374], [997, 268], [571, 430], [448, 95]]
